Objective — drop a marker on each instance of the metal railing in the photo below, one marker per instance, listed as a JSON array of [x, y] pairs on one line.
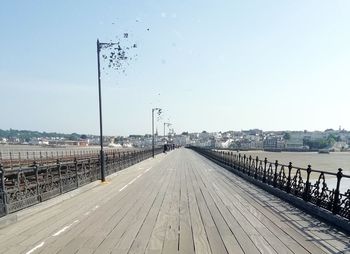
[[19, 158], [37, 181], [305, 183]]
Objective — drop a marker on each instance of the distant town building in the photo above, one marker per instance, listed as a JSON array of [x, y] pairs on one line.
[[274, 143]]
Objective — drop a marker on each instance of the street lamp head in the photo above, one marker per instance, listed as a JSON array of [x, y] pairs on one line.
[[159, 110]]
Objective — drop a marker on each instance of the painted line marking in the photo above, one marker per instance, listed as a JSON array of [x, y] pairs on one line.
[[133, 180], [35, 248], [123, 188], [65, 228], [62, 230], [92, 210]]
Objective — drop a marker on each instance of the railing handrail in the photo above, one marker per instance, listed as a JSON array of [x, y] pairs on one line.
[[285, 165]]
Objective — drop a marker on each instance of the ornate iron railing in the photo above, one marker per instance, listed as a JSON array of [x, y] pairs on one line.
[[41, 180], [311, 185]]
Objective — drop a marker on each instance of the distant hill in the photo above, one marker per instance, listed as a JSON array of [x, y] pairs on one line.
[[27, 135]]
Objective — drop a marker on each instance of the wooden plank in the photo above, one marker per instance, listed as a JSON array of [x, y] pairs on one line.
[[226, 235], [215, 241], [116, 234], [296, 242], [284, 223], [45, 222], [85, 251], [270, 238], [283, 231], [171, 239], [32, 225], [143, 237], [155, 244], [91, 228], [243, 239], [186, 238], [150, 210], [200, 239], [261, 244]]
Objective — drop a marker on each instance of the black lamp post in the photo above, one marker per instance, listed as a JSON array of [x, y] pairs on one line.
[[102, 156], [101, 45], [116, 56], [159, 111]]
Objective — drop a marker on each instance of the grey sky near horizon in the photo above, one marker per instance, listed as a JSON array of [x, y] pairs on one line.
[[214, 66]]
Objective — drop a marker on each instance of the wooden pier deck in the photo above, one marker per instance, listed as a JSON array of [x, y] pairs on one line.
[[176, 203]]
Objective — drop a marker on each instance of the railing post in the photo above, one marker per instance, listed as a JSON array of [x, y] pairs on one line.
[[11, 160], [76, 170], [239, 161], [275, 175], [128, 158], [244, 163], [102, 165], [265, 167], [256, 167], [123, 160], [60, 174], [250, 164], [107, 164], [236, 161], [3, 189], [113, 161], [90, 172], [36, 178], [307, 184], [335, 208], [119, 161], [289, 177]]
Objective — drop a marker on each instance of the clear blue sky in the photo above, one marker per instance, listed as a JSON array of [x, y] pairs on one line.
[[212, 65]]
